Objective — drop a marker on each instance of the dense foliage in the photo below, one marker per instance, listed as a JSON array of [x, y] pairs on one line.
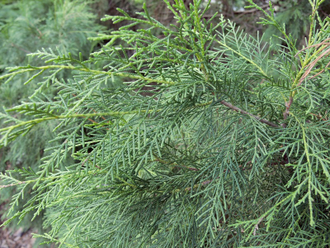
[[189, 135], [27, 26]]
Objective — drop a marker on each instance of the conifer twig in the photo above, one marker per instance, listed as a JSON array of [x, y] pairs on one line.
[[227, 104]]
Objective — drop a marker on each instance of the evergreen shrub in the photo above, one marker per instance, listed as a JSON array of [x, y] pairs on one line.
[[202, 136], [27, 26]]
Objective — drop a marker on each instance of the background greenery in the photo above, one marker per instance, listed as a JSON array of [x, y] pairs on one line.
[[26, 27], [175, 159]]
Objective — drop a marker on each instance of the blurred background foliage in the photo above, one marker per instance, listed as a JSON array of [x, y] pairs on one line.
[[27, 26]]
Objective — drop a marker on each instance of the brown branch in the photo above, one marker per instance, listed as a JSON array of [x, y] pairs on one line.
[[227, 104], [312, 64], [287, 108], [204, 183], [173, 164], [309, 67], [320, 117], [20, 48], [11, 185], [316, 45], [256, 227]]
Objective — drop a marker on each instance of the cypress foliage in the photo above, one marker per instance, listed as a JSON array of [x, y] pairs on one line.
[[27, 26], [199, 137]]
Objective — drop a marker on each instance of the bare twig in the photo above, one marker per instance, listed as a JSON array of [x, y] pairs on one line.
[[287, 108], [316, 45], [11, 185], [20, 48], [227, 104], [312, 64], [256, 227], [309, 68]]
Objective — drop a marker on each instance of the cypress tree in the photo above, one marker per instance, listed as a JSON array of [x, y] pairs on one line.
[[193, 135]]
